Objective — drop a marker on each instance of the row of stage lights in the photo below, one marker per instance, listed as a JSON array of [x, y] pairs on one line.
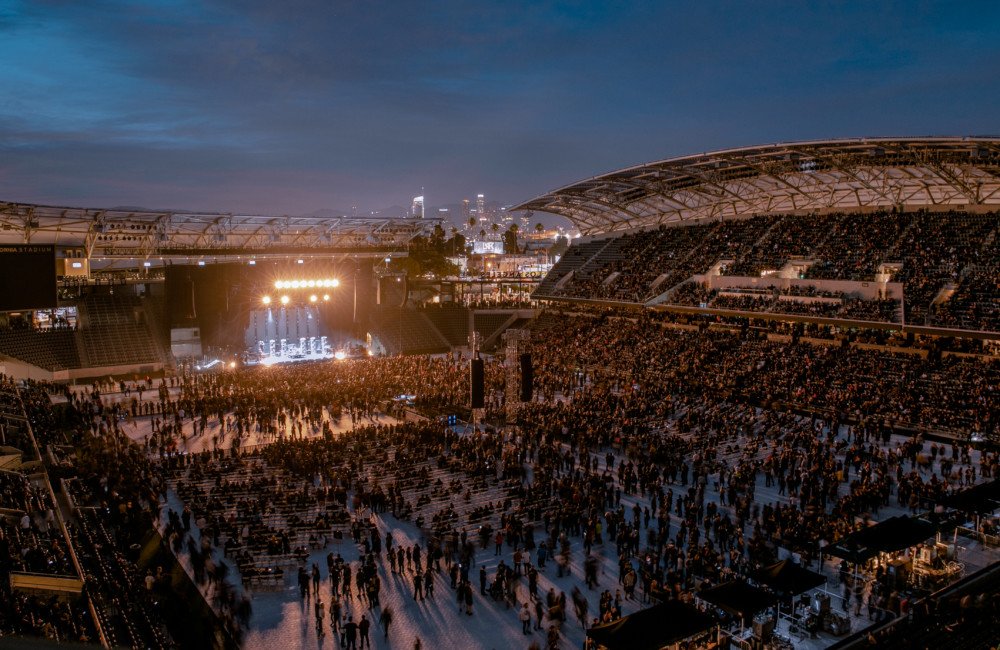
[[307, 284], [284, 300]]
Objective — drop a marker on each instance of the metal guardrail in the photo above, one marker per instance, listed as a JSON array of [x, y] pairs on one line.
[[987, 540], [46, 582]]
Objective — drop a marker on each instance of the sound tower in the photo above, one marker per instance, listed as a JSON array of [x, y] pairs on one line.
[[477, 376], [527, 378]]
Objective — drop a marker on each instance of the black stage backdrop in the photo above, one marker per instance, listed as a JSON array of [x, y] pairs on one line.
[[217, 298]]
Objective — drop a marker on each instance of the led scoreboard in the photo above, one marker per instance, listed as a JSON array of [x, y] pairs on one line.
[[27, 277]]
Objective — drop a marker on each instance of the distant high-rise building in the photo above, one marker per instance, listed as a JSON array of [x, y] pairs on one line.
[[417, 209], [481, 205], [465, 210]]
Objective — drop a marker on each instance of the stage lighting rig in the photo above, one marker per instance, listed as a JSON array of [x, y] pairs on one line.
[[320, 283]]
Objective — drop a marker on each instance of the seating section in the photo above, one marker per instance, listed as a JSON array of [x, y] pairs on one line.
[[802, 301], [789, 237], [574, 257], [951, 393], [452, 321], [46, 617], [407, 331], [931, 254], [48, 349], [31, 541], [265, 528], [855, 246], [673, 253], [115, 331], [124, 606], [489, 323], [34, 543], [934, 250], [975, 305]]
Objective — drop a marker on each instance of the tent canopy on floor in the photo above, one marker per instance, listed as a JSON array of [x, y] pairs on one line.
[[893, 534], [980, 499], [738, 598], [788, 578], [653, 628]]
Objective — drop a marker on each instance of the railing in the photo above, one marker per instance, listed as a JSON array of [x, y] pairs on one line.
[[987, 540], [46, 582]]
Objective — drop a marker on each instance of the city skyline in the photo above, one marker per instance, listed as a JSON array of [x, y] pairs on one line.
[[255, 107]]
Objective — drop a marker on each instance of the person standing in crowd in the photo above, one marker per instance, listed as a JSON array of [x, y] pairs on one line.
[[385, 618], [363, 626], [350, 633]]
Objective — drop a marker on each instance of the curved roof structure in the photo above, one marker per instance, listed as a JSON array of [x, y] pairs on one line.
[[824, 175], [127, 232]]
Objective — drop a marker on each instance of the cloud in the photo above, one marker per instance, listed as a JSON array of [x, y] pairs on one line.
[[296, 106]]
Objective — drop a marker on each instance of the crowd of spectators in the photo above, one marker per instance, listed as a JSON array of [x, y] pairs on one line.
[[975, 304], [934, 249], [796, 300], [646, 443], [788, 238], [32, 542], [913, 390], [856, 244], [927, 252], [518, 300]]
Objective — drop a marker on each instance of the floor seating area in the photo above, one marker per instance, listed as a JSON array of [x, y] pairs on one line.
[[265, 528]]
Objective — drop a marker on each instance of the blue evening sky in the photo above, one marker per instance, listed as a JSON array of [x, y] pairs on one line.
[[292, 106]]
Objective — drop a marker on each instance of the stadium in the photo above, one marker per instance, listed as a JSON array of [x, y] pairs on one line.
[[754, 404]]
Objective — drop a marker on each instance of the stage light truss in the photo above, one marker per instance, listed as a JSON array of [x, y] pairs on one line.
[[321, 283], [100, 233], [285, 299]]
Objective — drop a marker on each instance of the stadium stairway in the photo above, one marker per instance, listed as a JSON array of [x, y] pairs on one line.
[[575, 257], [492, 332], [159, 331], [452, 322]]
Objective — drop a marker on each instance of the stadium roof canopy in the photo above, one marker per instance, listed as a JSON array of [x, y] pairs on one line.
[[124, 232], [797, 177]]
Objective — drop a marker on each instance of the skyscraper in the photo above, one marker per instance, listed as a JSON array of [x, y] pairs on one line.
[[417, 209], [480, 206]]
